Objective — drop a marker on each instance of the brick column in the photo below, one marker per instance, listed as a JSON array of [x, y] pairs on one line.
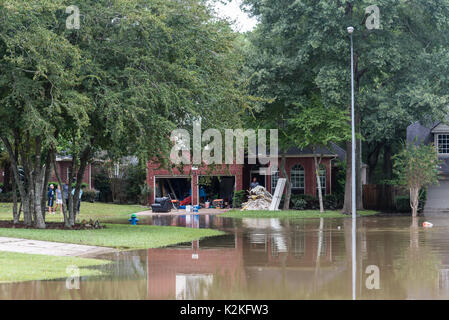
[[195, 200]]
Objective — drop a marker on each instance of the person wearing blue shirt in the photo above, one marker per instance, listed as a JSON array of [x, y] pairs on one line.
[[51, 198]]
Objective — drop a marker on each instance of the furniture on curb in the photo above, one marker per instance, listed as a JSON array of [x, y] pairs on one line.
[[161, 205]]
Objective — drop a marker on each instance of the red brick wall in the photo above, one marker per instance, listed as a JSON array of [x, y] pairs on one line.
[[235, 170], [242, 175], [62, 167], [309, 174]]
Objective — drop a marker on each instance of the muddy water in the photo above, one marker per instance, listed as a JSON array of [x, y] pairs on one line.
[[272, 259]]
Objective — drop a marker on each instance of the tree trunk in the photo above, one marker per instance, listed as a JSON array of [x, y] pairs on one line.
[[37, 186], [15, 213], [39, 218], [318, 181], [70, 198], [24, 192], [373, 158], [45, 183], [414, 201], [347, 207], [58, 177], [288, 191], [80, 174]]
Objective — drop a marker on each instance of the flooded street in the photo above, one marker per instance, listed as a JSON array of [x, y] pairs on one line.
[[272, 259]]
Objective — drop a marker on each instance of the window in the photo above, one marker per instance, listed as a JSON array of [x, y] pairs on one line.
[[274, 180], [297, 177], [443, 143]]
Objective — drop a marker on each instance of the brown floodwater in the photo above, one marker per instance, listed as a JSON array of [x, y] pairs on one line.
[[272, 259]]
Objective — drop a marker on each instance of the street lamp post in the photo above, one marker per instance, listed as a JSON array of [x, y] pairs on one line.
[[353, 143], [353, 198]]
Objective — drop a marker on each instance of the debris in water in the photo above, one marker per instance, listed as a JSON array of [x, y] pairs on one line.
[[259, 199], [427, 224]]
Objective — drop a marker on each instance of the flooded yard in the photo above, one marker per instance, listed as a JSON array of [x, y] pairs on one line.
[[272, 259]]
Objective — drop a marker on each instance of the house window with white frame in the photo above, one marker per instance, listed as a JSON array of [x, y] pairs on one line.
[[297, 177], [443, 143]]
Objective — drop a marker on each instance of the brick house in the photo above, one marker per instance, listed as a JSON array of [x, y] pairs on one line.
[[227, 179], [63, 164]]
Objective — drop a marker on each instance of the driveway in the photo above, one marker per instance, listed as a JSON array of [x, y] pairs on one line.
[[437, 199]]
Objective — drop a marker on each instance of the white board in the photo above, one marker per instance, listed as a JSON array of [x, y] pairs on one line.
[[278, 194]]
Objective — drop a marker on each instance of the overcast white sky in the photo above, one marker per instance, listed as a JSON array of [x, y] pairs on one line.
[[232, 10]]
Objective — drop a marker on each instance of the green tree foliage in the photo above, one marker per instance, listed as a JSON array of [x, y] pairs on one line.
[[317, 127], [301, 49], [134, 71], [416, 167]]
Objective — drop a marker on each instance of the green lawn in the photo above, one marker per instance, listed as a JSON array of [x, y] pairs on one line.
[[116, 235], [291, 214], [17, 267], [98, 210]]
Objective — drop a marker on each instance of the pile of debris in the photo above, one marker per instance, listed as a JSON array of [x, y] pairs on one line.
[[87, 225], [259, 199]]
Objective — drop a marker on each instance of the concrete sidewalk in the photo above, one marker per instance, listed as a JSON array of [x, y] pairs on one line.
[[50, 248]]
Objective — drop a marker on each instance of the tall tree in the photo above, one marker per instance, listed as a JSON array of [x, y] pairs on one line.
[[416, 167], [39, 70], [317, 127]]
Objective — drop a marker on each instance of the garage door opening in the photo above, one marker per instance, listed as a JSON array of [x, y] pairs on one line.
[[176, 188], [216, 187]]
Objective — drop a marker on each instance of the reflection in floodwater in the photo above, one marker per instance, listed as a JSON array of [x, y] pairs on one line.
[[271, 259]]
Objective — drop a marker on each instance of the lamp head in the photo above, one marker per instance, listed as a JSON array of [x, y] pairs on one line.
[[350, 30]]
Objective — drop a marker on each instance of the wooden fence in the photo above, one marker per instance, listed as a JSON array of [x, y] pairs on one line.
[[380, 196]]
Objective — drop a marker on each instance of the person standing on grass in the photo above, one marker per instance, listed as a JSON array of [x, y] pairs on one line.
[[58, 199], [79, 200], [51, 198]]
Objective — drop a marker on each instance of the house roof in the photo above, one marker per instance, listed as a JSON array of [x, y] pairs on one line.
[[332, 151], [418, 133]]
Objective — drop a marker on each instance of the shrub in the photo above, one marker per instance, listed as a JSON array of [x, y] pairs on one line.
[[103, 184], [422, 199], [311, 203], [6, 197], [83, 185], [144, 194], [134, 183], [238, 198], [89, 195], [299, 204], [403, 202], [333, 201]]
